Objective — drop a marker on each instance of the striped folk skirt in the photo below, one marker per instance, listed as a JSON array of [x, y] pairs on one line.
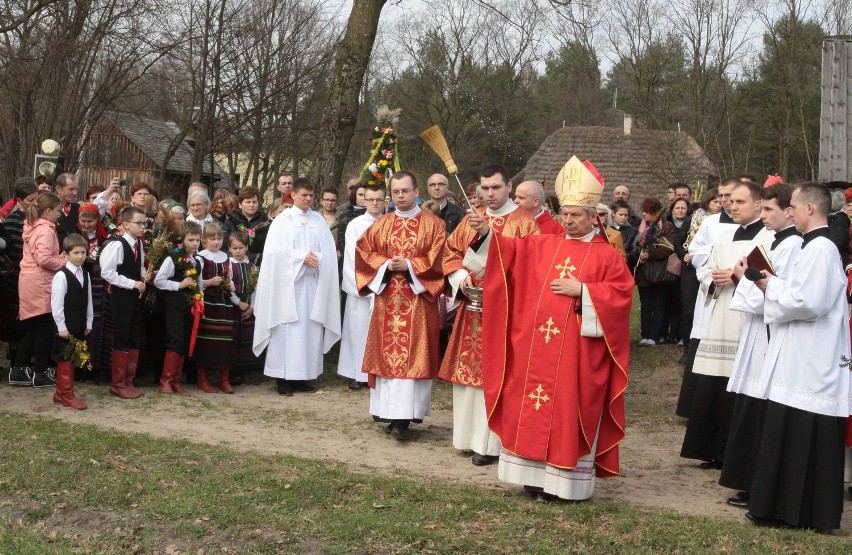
[[214, 345]]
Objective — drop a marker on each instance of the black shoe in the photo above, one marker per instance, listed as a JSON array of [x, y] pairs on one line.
[[711, 465], [738, 502], [483, 460], [45, 379], [742, 495], [768, 522], [398, 428], [388, 428], [354, 385], [20, 375], [682, 360], [302, 386], [283, 387]]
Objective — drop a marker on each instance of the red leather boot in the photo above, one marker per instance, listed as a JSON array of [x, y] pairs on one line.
[[130, 374], [225, 380], [64, 394], [203, 384], [176, 374], [167, 375]]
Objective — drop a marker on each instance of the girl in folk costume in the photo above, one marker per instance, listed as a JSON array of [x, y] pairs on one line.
[[94, 234], [215, 343], [244, 279], [41, 260]]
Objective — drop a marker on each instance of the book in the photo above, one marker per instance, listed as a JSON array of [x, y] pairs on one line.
[[757, 258]]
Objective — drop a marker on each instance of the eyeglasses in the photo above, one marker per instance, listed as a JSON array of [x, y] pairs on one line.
[[329, 200]]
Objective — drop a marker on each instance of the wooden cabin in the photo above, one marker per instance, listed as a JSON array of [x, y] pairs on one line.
[[134, 148]]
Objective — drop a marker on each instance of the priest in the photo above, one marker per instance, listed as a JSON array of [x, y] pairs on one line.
[[462, 364], [556, 326], [297, 302], [358, 310], [529, 196], [798, 479], [399, 260]]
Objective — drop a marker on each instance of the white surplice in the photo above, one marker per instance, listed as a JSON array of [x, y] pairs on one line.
[[297, 308], [805, 359], [748, 299], [721, 334], [359, 310], [702, 244]]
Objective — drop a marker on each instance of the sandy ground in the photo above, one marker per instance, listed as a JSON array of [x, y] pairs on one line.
[[334, 424]]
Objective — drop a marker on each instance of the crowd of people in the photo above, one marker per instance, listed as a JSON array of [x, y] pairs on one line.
[[520, 300]]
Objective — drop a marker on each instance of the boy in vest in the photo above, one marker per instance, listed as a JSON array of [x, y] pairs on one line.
[[122, 267], [179, 279], [71, 305]]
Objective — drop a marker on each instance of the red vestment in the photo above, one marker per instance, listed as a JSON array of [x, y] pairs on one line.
[[548, 225], [462, 362], [403, 338], [547, 389]]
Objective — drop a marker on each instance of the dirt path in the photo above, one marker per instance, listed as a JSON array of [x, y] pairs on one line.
[[334, 424]]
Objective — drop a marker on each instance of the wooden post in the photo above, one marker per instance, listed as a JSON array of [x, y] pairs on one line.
[[835, 128]]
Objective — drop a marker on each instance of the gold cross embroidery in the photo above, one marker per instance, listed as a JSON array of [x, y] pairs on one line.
[[549, 330], [475, 326], [565, 267], [539, 396], [397, 323]]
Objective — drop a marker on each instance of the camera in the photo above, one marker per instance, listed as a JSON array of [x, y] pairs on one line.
[[122, 183]]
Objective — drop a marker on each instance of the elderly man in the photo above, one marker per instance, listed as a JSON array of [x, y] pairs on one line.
[[67, 187], [529, 196], [556, 314], [438, 187], [623, 193], [285, 183]]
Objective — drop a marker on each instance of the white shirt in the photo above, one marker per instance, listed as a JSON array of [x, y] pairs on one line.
[[58, 290], [166, 271], [207, 219], [218, 257], [113, 255]]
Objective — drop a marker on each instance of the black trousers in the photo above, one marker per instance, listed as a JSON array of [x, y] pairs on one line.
[[38, 342], [178, 321], [126, 319]]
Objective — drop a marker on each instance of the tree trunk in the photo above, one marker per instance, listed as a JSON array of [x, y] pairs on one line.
[[350, 64]]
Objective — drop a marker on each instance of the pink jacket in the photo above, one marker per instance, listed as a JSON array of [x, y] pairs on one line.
[[40, 262]]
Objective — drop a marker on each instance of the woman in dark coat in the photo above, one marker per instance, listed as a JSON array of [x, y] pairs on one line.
[[654, 245], [250, 219]]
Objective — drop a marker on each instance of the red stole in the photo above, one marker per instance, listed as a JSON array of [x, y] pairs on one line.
[[548, 390]]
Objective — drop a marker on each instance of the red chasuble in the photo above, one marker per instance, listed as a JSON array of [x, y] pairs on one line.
[[403, 337], [546, 387], [462, 362], [548, 225]]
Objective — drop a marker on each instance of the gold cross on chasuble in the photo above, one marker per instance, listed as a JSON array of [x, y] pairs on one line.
[[539, 396], [565, 267], [397, 323], [549, 330]]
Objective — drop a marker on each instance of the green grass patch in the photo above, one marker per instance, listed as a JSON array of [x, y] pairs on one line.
[[79, 488]]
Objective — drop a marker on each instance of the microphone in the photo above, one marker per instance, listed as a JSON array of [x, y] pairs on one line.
[[753, 274]]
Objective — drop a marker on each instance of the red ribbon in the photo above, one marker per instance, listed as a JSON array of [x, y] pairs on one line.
[[197, 313]]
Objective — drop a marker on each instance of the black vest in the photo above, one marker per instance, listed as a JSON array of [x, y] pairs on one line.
[[129, 268], [76, 303]]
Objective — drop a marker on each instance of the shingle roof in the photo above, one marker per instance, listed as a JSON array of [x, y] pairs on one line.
[[646, 160], [153, 137]]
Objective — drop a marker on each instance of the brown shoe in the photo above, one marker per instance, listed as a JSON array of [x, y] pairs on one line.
[[203, 384], [224, 380]]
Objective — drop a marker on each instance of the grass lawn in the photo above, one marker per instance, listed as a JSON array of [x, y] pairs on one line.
[[76, 488]]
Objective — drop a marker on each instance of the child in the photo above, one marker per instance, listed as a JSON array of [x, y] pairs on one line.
[[71, 304], [40, 261], [179, 278], [122, 263], [241, 271], [214, 346]]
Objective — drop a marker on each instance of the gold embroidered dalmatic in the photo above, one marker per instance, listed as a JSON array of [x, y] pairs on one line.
[[403, 337], [463, 360]]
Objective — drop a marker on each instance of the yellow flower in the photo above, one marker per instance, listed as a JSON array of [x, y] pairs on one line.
[[383, 163]]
